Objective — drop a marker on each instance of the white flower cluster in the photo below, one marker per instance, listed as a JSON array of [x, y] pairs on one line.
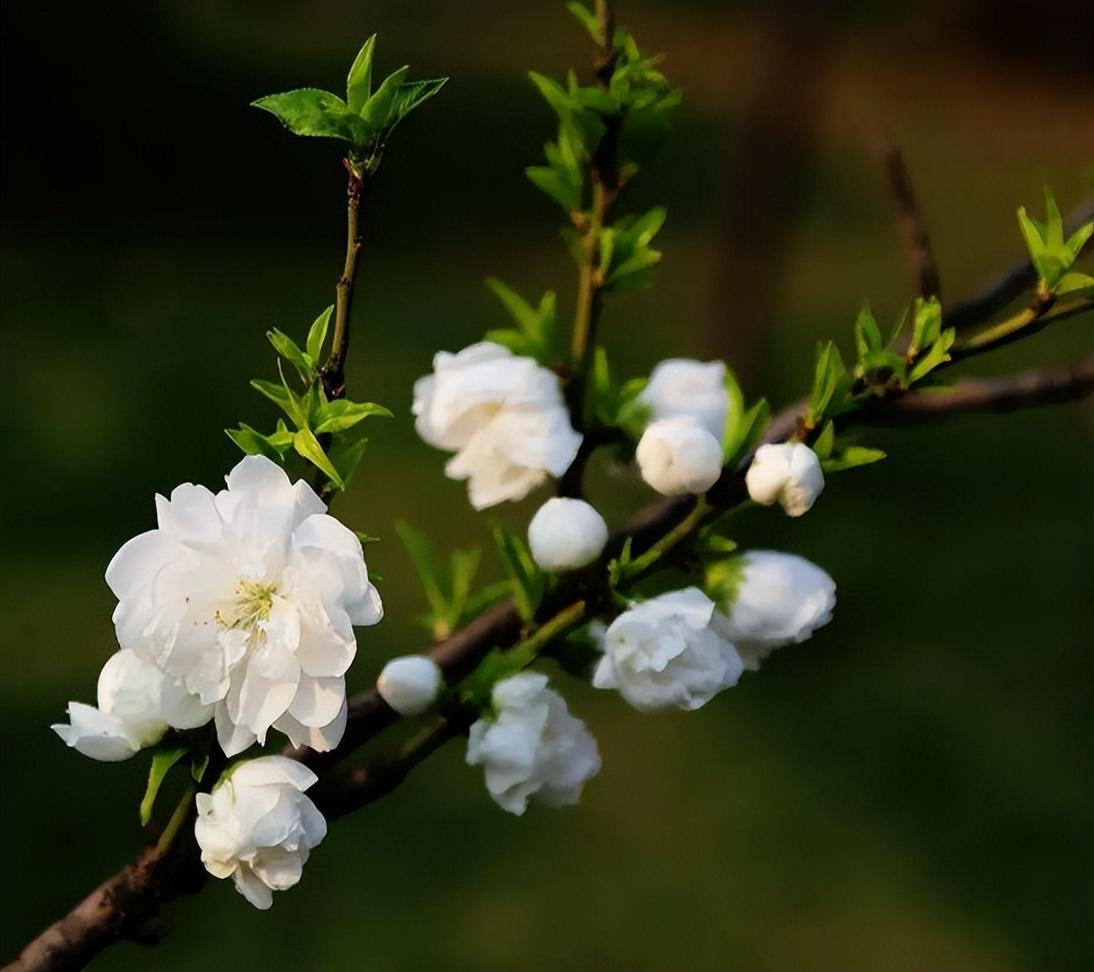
[[502, 415], [239, 607]]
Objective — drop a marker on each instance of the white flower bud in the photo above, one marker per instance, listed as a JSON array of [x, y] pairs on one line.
[[668, 652], [678, 456], [410, 684], [788, 473], [137, 704], [684, 387], [566, 534], [258, 827], [532, 746], [772, 599]]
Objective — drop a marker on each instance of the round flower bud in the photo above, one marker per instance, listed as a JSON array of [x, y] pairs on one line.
[[787, 473], [770, 599], [566, 534], [682, 386], [678, 456], [410, 684]]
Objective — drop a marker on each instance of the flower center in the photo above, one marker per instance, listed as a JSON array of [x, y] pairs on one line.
[[254, 601]]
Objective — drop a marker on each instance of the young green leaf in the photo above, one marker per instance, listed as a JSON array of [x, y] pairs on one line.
[[288, 349], [424, 560], [850, 457], [867, 333], [529, 583], [163, 758], [937, 353], [314, 112], [588, 20], [339, 415], [359, 81], [307, 445], [378, 109], [317, 334]]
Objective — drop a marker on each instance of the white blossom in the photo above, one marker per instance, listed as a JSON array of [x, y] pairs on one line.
[[249, 597], [502, 415], [258, 827], [774, 599], [671, 651], [566, 534], [532, 746], [678, 456], [410, 684], [137, 705], [689, 388], [788, 473]]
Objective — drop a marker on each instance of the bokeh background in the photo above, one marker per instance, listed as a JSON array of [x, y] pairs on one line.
[[913, 789]]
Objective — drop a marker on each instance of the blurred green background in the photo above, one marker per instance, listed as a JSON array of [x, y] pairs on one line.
[[911, 790]]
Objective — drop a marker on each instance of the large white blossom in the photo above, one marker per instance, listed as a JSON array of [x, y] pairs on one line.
[[679, 455], [502, 415], [258, 827], [787, 473], [137, 705], [248, 597], [772, 599], [532, 746], [689, 388], [566, 534], [671, 651]]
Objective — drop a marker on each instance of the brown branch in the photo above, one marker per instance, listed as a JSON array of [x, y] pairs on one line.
[[913, 228]]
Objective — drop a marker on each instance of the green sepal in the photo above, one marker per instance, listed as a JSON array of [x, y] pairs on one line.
[[163, 758]]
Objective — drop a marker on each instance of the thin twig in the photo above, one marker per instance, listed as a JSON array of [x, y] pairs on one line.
[[913, 228]]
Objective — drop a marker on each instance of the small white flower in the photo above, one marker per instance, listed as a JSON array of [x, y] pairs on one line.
[[773, 599], [410, 684], [669, 652], [532, 746], [249, 597], [258, 827], [695, 389], [502, 415], [678, 456], [566, 534], [788, 473], [137, 705]]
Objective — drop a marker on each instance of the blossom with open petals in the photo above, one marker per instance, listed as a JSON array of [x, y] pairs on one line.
[[258, 827], [502, 415], [248, 597]]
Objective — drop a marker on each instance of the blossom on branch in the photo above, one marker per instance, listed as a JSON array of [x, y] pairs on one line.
[[678, 456], [502, 415], [566, 534], [770, 599], [672, 651], [532, 746], [410, 685], [787, 473], [258, 827], [138, 703], [689, 388], [248, 598]]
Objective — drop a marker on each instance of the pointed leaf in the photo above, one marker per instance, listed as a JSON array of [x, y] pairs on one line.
[[307, 445], [317, 334], [162, 760], [359, 81]]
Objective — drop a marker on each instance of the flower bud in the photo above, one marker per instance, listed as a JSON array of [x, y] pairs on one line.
[[566, 534], [410, 684], [678, 456], [682, 386], [788, 473]]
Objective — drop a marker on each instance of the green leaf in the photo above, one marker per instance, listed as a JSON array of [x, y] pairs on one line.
[[555, 184], [307, 445], [288, 349], [346, 452], [926, 323], [425, 563], [828, 381], [1073, 283], [825, 441], [409, 96], [254, 443], [588, 20], [1077, 240], [359, 81], [313, 112], [378, 109], [850, 457], [163, 758], [536, 324], [317, 333], [529, 583], [339, 415], [867, 333], [937, 353], [282, 397]]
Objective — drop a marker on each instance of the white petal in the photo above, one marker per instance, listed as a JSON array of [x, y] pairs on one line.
[[318, 700]]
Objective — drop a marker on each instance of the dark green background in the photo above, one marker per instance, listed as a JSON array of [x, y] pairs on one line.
[[911, 790]]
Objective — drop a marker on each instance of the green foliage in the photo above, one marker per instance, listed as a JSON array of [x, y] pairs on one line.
[[831, 382], [163, 758], [528, 583], [849, 457], [1050, 253], [626, 257], [448, 589], [534, 334], [309, 410], [612, 406], [364, 120], [622, 568], [744, 427]]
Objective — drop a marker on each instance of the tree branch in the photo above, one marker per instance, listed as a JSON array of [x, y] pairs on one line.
[[913, 228]]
